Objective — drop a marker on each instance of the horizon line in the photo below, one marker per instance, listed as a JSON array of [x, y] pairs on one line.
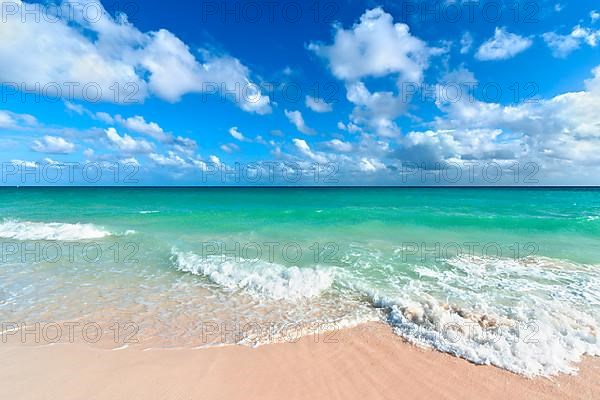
[[301, 187]]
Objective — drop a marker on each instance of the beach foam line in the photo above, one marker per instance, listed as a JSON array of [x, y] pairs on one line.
[[26, 230], [272, 280], [536, 323], [532, 316]]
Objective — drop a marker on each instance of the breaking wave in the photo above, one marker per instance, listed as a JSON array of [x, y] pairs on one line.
[[25, 230], [257, 277]]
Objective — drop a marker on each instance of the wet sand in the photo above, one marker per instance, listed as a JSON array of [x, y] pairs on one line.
[[365, 362]]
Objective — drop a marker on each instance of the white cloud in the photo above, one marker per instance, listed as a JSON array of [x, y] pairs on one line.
[[350, 127], [226, 148], [88, 153], [466, 41], [126, 143], [237, 135], [184, 145], [109, 53], [370, 165], [24, 164], [594, 16], [53, 145], [130, 161], [376, 46], [318, 105], [104, 117], [138, 124], [295, 117], [340, 146], [9, 119], [565, 127], [175, 72], [376, 110], [502, 46], [171, 160], [215, 160], [50, 161], [77, 108], [563, 45], [305, 149]]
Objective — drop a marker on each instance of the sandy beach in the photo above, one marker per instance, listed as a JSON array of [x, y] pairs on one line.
[[365, 362]]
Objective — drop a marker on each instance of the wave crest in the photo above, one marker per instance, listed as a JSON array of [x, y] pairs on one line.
[[26, 230], [257, 277]]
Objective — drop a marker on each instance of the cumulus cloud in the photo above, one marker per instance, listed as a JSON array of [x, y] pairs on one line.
[[131, 161], [370, 165], [109, 59], [502, 46], [24, 164], [318, 105], [295, 117], [565, 127], [376, 46], [126, 143], [170, 160], [53, 145], [88, 153], [9, 119], [104, 117], [305, 149], [138, 124], [563, 45], [339, 145], [376, 110]]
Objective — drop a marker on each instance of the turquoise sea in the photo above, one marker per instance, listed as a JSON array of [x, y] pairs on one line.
[[508, 277]]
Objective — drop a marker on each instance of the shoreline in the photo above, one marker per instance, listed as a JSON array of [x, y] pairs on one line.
[[366, 361]]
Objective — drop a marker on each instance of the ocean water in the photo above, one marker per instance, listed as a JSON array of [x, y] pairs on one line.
[[508, 277]]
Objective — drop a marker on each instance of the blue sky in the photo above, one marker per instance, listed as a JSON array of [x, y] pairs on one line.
[[359, 92]]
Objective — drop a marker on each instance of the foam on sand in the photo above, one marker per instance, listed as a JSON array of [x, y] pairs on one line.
[[534, 317]]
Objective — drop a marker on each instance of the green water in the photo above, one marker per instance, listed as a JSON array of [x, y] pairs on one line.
[[563, 223]]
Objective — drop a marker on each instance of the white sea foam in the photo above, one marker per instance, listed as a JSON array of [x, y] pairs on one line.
[[149, 212], [536, 317], [25, 230], [257, 277]]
